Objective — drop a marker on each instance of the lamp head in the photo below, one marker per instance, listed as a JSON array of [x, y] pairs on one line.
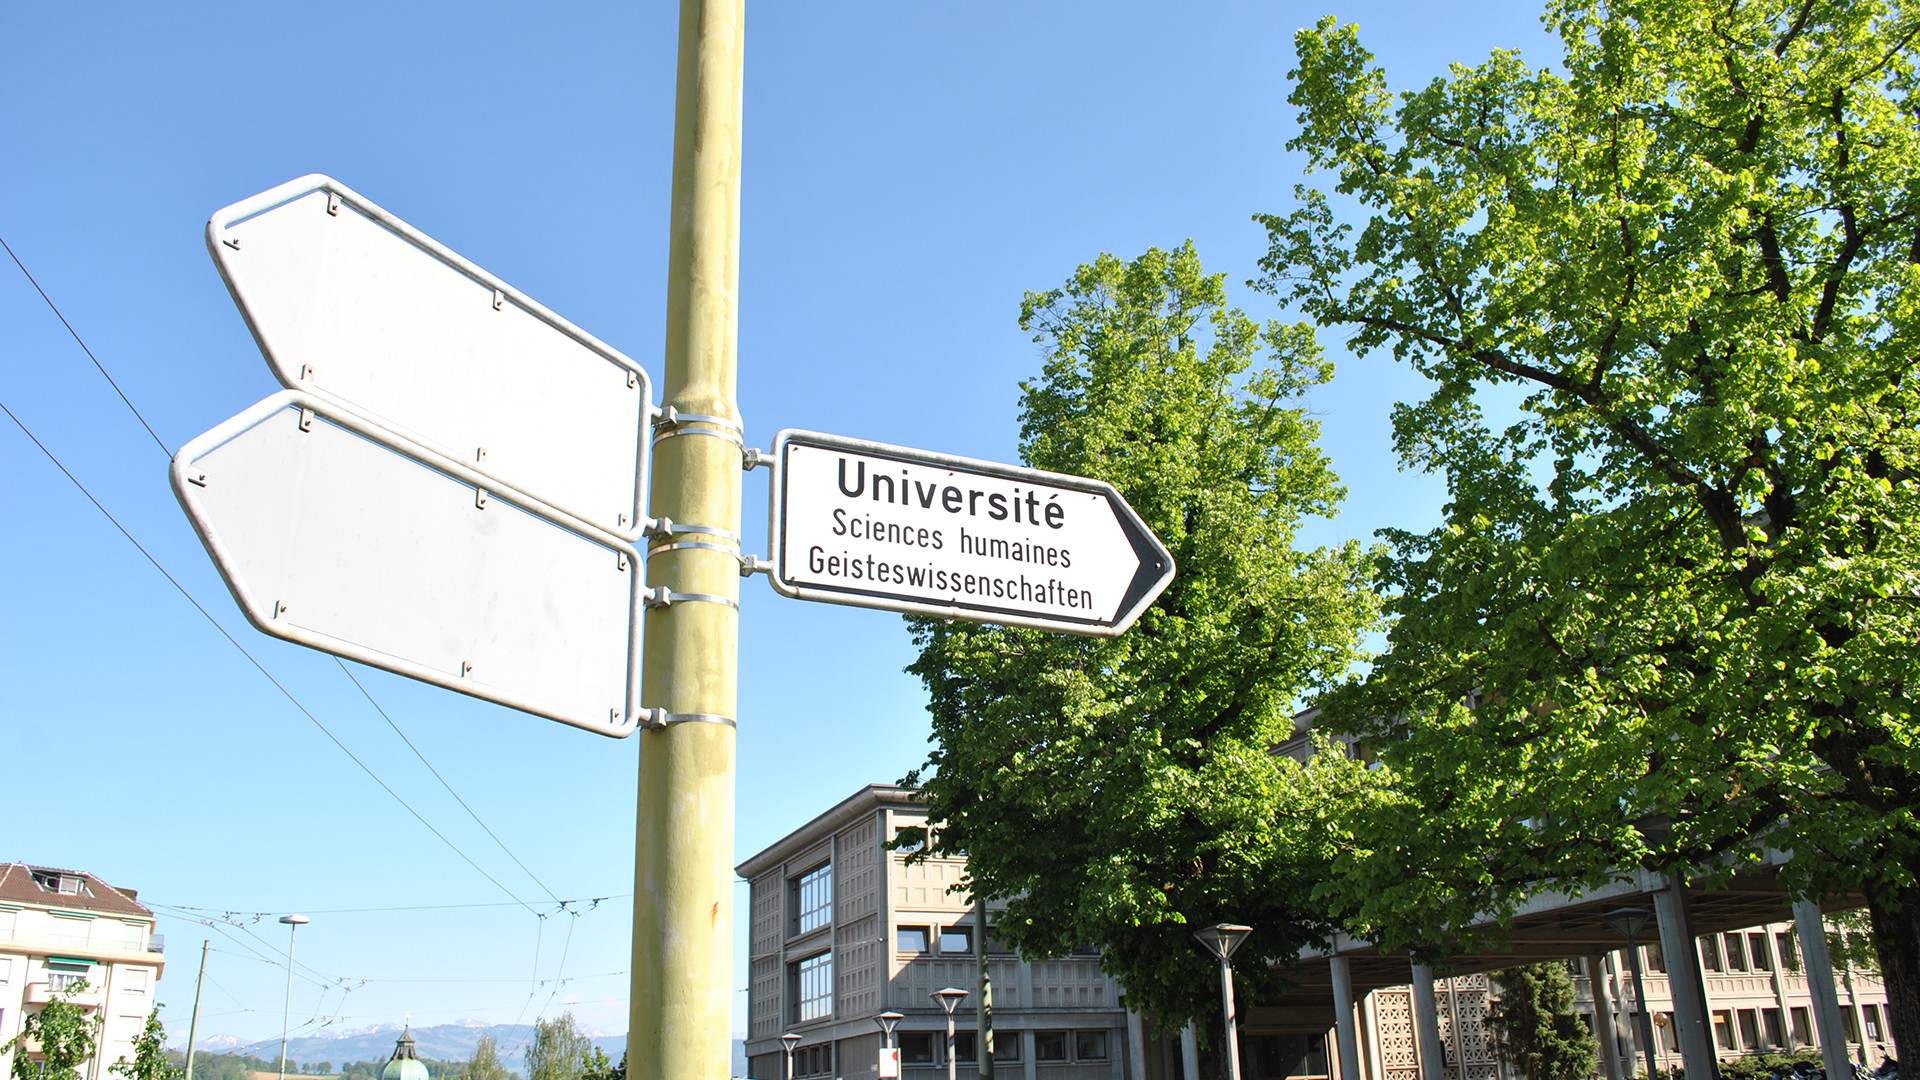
[[949, 998], [790, 1039], [295, 920], [888, 1021], [1627, 921], [1222, 939]]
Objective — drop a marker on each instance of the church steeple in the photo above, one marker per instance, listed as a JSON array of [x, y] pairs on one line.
[[405, 1064]]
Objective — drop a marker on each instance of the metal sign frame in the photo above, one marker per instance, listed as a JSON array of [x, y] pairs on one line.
[[1146, 545], [186, 477], [225, 249]]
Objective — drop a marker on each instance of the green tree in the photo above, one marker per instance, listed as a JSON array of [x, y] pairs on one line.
[[63, 1032], [1121, 792], [1536, 1030], [1663, 288], [149, 1054], [558, 1050], [485, 1062], [596, 1065]]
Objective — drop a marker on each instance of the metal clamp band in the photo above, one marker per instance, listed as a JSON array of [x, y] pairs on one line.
[[684, 544], [671, 417], [668, 528], [665, 597], [730, 435], [658, 719]]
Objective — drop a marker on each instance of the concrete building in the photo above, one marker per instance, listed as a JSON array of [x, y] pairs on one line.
[[843, 930], [67, 933]]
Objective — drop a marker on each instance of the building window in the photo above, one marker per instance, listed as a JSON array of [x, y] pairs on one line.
[[813, 899], [815, 1060], [133, 980], [810, 987], [66, 978], [1749, 1030], [6, 972], [1006, 1046], [916, 1047], [1710, 954], [1776, 1034], [1789, 951], [1656, 958], [1873, 1021], [1723, 1030], [965, 1047], [1049, 1046], [910, 939], [1851, 1023], [1089, 1046], [1802, 1025], [1757, 952], [1736, 952], [956, 940]]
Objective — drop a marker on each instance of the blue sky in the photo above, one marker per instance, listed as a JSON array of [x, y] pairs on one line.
[[910, 170]]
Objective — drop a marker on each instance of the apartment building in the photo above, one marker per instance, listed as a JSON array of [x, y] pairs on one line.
[[843, 929], [69, 934]]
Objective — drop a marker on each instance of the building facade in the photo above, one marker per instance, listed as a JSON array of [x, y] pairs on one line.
[[843, 929], [69, 934]]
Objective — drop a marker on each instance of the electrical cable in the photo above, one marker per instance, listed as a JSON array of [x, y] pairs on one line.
[[235, 642], [137, 415], [83, 347], [443, 781]]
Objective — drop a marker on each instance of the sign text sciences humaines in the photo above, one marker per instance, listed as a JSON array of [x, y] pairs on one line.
[[929, 533]]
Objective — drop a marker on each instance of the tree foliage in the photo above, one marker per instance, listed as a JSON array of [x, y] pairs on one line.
[[1664, 292], [149, 1054], [1536, 1030], [66, 1037], [559, 1050], [485, 1063], [1120, 792]]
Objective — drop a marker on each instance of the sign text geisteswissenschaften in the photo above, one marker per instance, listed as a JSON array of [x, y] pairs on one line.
[[877, 525]]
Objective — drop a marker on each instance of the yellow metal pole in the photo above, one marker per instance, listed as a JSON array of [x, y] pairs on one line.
[[683, 851]]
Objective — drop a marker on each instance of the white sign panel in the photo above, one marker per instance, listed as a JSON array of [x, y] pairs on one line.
[[337, 535], [862, 523], [350, 303]]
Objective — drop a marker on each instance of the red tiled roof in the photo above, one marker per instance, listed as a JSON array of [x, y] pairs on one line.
[[17, 886]]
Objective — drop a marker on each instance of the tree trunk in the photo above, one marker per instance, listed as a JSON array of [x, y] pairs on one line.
[[1896, 938]]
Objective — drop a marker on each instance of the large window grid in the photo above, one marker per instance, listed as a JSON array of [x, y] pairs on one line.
[[811, 983], [813, 899]]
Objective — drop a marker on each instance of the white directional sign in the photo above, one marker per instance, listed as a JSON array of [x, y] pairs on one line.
[[353, 304], [338, 535], [863, 523]]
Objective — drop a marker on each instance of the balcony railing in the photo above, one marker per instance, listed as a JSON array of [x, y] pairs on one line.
[[83, 943]]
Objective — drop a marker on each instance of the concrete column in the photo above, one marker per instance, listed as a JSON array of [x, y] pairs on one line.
[[1776, 962], [1346, 1032], [1685, 980], [1818, 965], [1136, 1046], [1426, 1025], [1189, 1054], [1028, 1070], [1603, 1030]]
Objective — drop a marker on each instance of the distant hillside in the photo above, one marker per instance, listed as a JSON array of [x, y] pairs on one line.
[[441, 1042]]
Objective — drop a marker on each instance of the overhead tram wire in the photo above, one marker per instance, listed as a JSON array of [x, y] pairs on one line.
[[235, 642], [592, 902], [83, 347], [443, 783], [137, 415]]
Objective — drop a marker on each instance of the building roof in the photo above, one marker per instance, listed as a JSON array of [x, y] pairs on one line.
[[868, 798], [405, 1064], [22, 883]]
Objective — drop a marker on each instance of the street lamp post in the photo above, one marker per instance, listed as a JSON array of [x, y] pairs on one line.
[[294, 923], [791, 1040], [949, 1000], [1628, 922], [888, 1021], [1221, 940]]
